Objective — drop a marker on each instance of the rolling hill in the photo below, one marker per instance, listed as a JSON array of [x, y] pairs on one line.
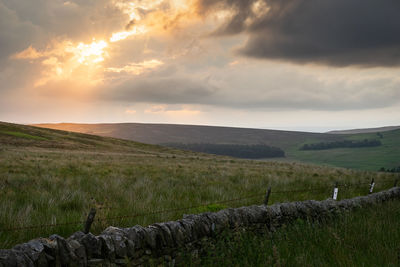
[[175, 133], [366, 130], [366, 158]]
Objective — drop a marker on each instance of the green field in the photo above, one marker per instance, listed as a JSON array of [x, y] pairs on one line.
[[55, 177], [368, 158]]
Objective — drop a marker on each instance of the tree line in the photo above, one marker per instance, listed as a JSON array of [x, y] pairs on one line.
[[233, 150], [393, 170], [342, 144]]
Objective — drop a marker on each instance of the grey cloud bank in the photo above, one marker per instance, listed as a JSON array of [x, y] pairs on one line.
[[251, 86], [331, 32]]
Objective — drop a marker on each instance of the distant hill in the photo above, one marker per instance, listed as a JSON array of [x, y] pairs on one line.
[[174, 133], [386, 155], [366, 130], [16, 135]]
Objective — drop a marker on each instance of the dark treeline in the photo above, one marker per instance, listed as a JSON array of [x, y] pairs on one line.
[[394, 170], [238, 151], [341, 144]]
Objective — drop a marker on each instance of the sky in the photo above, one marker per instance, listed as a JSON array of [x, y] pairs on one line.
[[309, 65]]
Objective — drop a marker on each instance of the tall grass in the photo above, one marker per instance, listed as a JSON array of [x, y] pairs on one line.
[[366, 237], [41, 186]]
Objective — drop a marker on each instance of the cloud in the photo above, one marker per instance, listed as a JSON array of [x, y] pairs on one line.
[[62, 60], [155, 89], [259, 86], [61, 50], [75, 19], [35, 24], [331, 32], [172, 110], [34, 35], [137, 68], [29, 53], [15, 34], [130, 111]]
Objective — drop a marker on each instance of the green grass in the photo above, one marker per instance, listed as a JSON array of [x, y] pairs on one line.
[[366, 237], [59, 179], [368, 158], [23, 135]]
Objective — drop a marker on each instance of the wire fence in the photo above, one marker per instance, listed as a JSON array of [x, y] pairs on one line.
[[320, 189]]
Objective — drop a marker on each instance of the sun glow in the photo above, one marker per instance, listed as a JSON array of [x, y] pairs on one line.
[[66, 59], [118, 36], [152, 16], [135, 9], [89, 53]]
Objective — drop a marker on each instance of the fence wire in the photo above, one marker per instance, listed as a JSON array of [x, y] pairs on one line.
[[320, 189]]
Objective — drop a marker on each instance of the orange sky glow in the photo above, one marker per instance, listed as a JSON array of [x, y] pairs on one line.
[[85, 61]]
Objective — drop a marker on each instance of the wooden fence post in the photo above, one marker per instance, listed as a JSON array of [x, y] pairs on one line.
[[267, 196], [372, 185], [89, 220], [335, 191]]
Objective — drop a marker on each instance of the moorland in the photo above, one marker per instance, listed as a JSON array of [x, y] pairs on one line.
[[51, 177]]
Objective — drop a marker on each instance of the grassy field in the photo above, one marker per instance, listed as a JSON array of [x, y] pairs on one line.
[[367, 158], [366, 237], [53, 177]]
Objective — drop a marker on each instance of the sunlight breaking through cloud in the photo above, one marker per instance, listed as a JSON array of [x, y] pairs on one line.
[[62, 57], [89, 53], [119, 36]]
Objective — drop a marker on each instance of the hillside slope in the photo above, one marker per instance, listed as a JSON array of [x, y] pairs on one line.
[[173, 133], [15, 135]]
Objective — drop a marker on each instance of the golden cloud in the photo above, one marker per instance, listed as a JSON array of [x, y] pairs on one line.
[[173, 112], [137, 68], [64, 59]]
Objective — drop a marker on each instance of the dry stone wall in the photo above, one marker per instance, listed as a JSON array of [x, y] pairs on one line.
[[161, 241]]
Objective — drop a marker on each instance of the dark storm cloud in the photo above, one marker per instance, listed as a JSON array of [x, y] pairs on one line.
[[332, 32]]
